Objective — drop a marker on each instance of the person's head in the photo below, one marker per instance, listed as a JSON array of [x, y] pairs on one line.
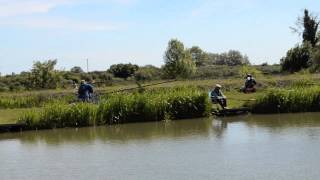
[[82, 82], [218, 86]]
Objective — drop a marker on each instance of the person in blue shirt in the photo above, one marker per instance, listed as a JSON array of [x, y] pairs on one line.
[[85, 91], [218, 97]]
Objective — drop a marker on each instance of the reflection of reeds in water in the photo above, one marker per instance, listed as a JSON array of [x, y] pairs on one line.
[[177, 103], [297, 99]]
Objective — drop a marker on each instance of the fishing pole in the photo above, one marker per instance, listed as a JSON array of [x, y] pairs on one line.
[[141, 86], [246, 100]]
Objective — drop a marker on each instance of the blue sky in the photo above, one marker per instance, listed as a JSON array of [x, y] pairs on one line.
[[113, 31]]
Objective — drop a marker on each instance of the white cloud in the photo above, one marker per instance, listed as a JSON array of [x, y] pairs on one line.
[[62, 24], [25, 13], [10, 8]]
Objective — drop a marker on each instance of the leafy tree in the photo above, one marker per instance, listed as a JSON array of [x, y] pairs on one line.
[[230, 58], [310, 24], [315, 58], [148, 73], [198, 56], [43, 75], [123, 70], [297, 58], [178, 61], [76, 69], [307, 27]]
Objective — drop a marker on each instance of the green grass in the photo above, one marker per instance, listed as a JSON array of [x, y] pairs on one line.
[[30, 100], [230, 88], [11, 116], [174, 103], [299, 99], [173, 100]]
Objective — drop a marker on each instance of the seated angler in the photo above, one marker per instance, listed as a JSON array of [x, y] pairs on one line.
[[250, 83], [218, 97]]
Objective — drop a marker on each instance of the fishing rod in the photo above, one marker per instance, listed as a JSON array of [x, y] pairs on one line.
[[141, 86], [245, 100]]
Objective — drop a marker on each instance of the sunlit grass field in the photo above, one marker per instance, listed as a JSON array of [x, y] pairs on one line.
[[13, 104]]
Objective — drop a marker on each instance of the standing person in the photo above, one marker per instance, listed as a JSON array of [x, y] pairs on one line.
[[85, 91], [218, 97]]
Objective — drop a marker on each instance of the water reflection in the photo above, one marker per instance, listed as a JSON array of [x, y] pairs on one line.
[[116, 133], [122, 134], [277, 121]]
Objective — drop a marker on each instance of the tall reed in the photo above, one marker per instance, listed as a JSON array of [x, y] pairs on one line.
[[289, 100], [175, 103]]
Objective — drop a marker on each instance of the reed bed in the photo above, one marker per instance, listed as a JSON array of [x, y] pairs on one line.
[[173, 104], [293, 100], [33, 100]]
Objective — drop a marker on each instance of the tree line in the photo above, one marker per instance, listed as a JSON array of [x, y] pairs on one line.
[[305, 55], [179, 62]]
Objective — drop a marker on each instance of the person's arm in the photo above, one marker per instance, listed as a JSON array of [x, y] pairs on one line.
[[254, 81], [222, 95], [90, 88]]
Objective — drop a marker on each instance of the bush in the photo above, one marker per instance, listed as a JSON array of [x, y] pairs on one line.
[[178, 103], [296, 59], [299, 99]]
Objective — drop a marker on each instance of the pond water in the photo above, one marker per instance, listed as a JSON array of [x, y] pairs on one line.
[[245, 147]]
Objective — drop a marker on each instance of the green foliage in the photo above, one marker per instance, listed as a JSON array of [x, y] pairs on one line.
[[43, 75], [269, 69], [299, 99], [30, 100], [177, 103], [249, 70], [178, 61], [310, 24], [59, 115], [76, 69], [315, 59], [216, 72], [230, 58], [123, 70], [199, 57], [296, 59], [148, 73]]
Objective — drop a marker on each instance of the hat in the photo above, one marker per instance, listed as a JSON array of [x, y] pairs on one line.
[[218, 86]]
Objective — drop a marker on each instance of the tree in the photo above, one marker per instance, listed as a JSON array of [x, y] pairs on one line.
[[148, 73], [307, 26], [178, 61], [315, 58], [198, 56], [43, 75], [297, 58], [310, 24], [76, 69], [123, 70], [230, 58]]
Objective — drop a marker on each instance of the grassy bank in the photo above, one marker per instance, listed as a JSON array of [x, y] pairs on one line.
[[299, 99], [176, 103], [31, 100], [231, 87]]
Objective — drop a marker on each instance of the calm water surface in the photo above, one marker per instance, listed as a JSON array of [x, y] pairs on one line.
[[246, 147]]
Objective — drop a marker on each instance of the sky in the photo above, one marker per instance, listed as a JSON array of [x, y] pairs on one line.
[[120, 31]]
